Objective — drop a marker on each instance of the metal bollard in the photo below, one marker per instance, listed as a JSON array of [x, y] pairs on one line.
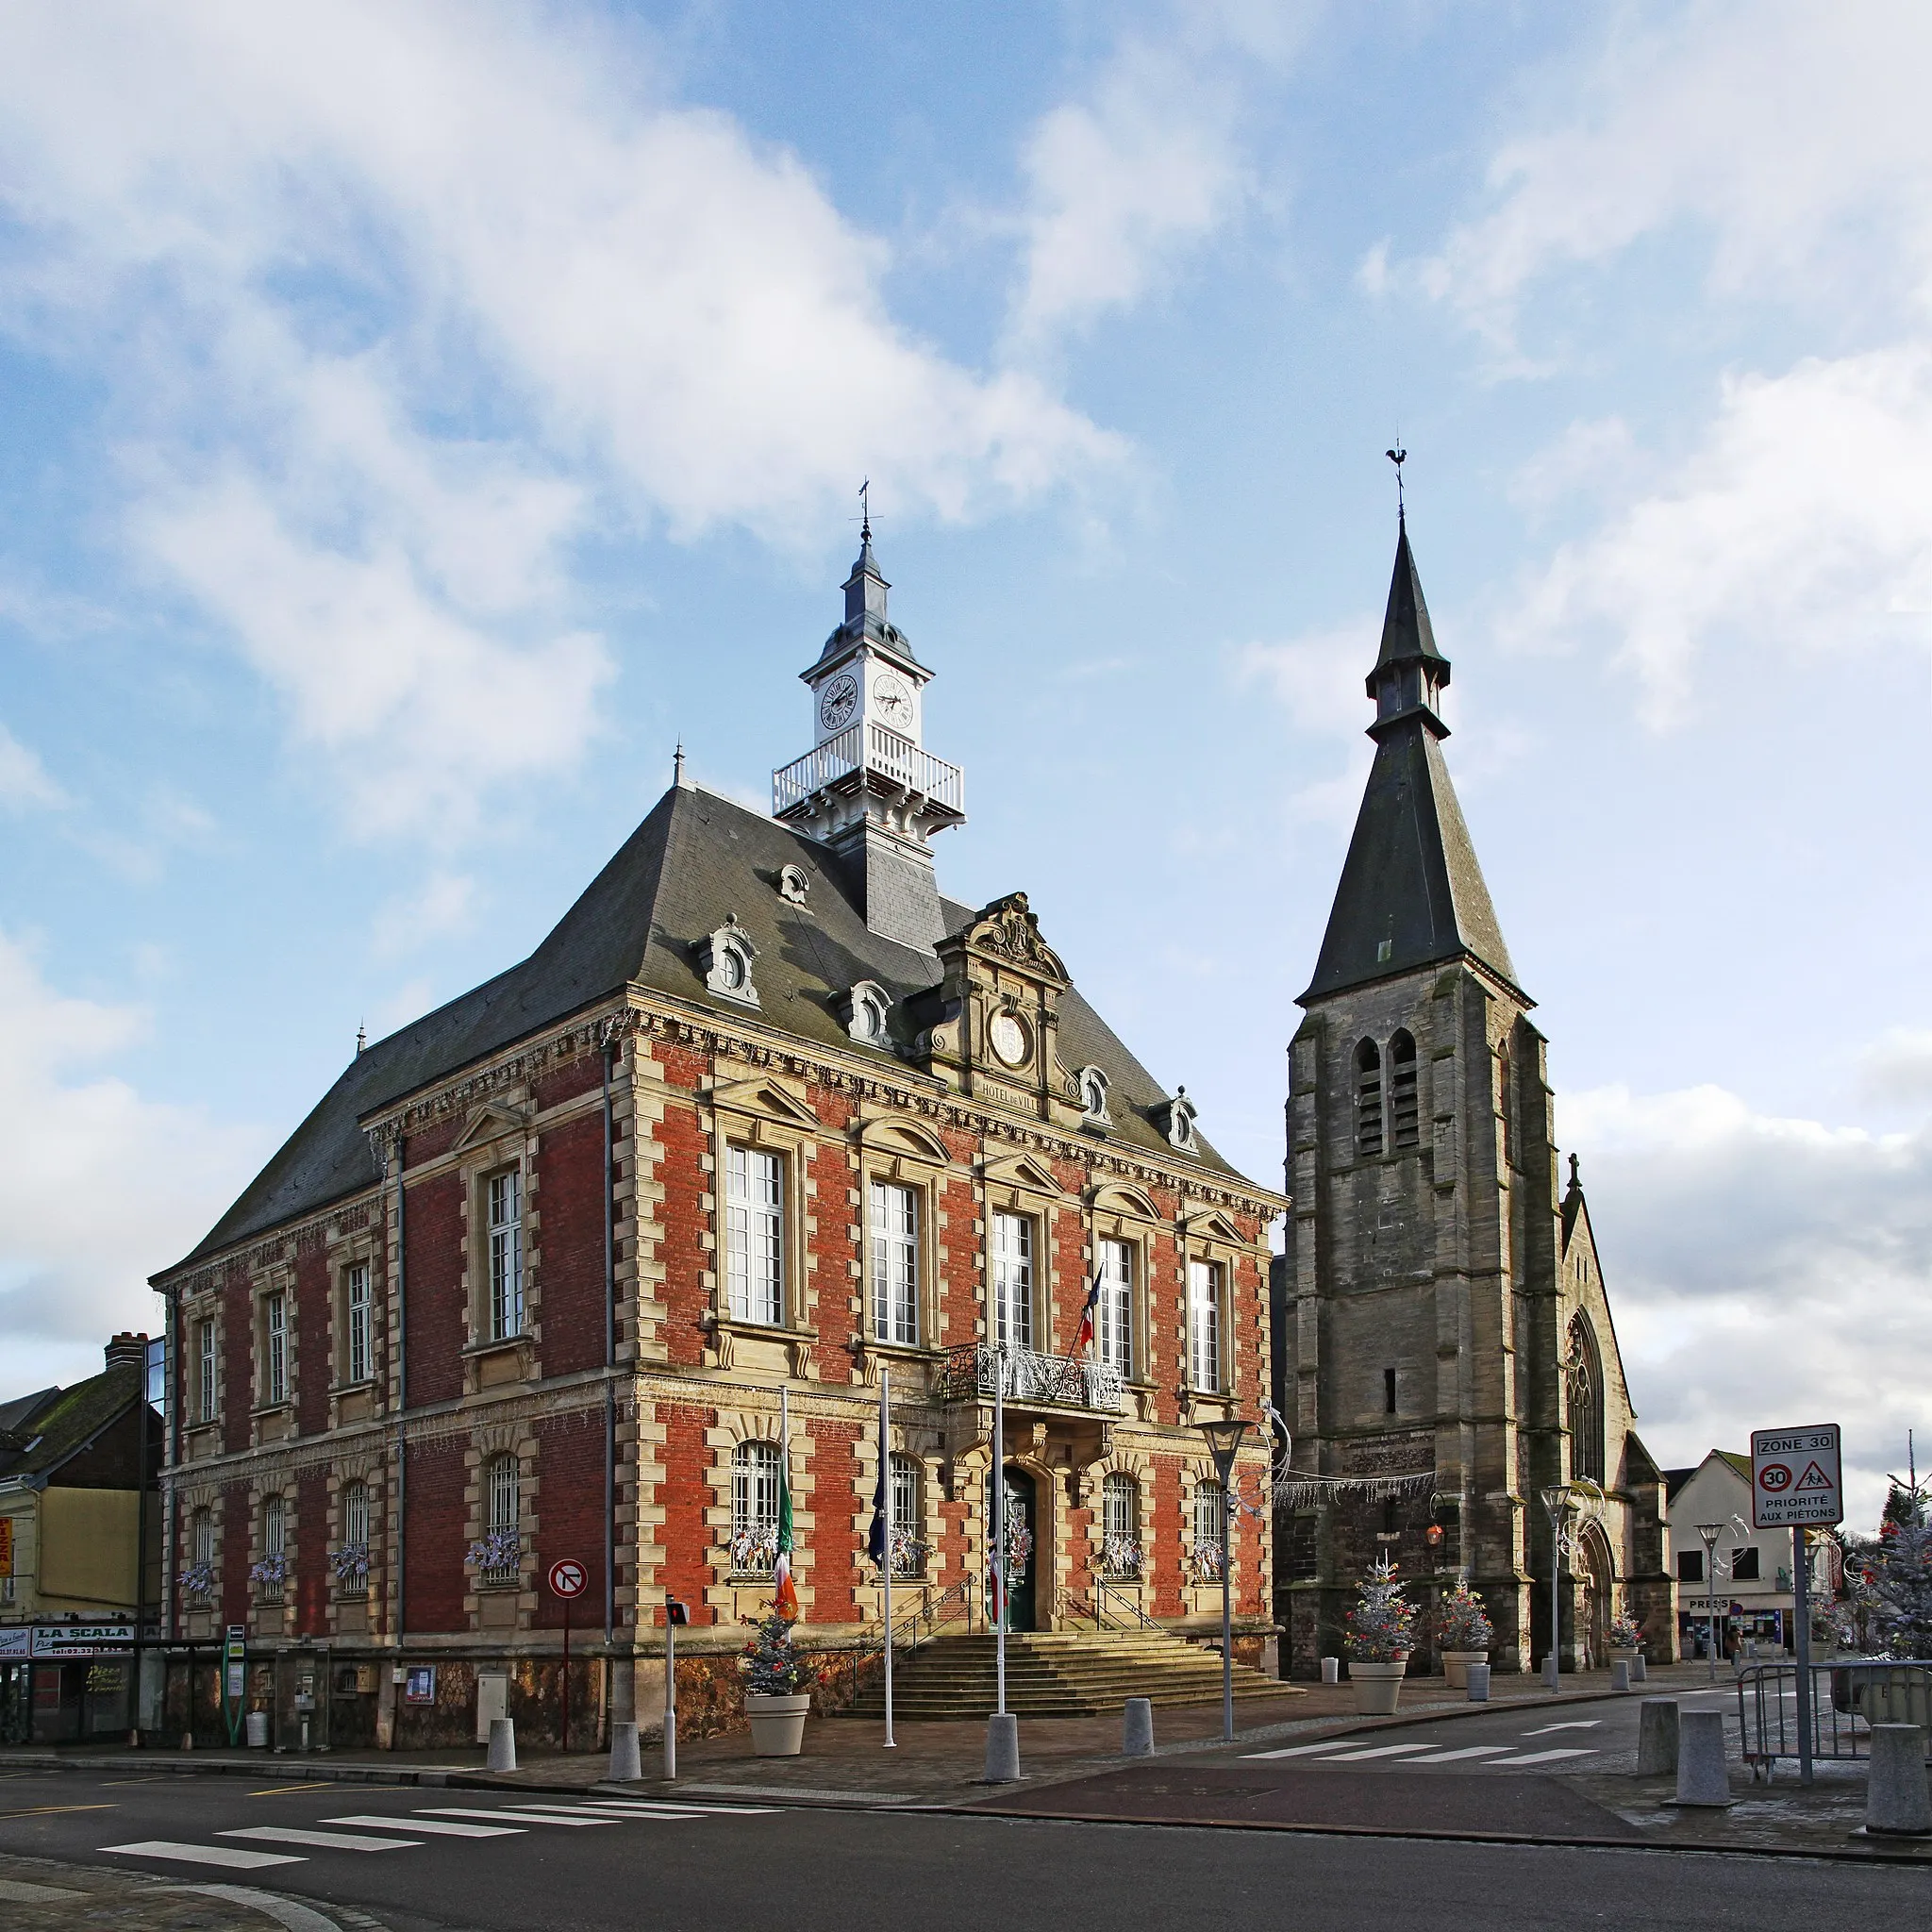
[[1478, 1683], [1897, 1804], [1656, 1737], [1620, 1675], [627, 1761], [1702, 1776], [1002, 1749], [1331, 1670], [1137, 1732], [503, 1745]]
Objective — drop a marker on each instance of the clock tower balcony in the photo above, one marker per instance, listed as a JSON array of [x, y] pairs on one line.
[[868, 756]]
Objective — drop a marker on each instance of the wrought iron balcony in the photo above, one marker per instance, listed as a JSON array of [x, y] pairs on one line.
[[869, 747], [1057, 1381]]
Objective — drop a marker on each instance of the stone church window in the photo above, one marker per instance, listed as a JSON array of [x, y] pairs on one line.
[[1584, 1371], [1368, 1100], [1403, 1108]]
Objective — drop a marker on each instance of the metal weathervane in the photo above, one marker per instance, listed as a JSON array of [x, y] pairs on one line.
[[1398, 455]]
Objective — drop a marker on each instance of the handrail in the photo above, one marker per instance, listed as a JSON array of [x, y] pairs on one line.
[[1102, 1596]]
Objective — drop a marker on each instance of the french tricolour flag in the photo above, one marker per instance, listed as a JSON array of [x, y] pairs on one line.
[[1085, 1338]]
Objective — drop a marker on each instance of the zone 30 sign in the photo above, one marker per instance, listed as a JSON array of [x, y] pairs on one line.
[[1796, 1476]]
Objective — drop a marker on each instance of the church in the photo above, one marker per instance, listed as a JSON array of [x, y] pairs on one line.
[[607, 1260], [1444, 1353]]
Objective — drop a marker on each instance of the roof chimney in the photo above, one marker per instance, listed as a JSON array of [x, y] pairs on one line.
[[129, 1348]]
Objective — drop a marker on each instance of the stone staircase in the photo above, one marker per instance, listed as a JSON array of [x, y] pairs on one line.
[[1057, 1674]]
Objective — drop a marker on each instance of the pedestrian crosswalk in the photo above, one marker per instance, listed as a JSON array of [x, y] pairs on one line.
[[256, 1847], [1473, 1756]]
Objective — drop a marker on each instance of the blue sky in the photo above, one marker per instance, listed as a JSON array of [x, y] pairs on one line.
[[414, 418]]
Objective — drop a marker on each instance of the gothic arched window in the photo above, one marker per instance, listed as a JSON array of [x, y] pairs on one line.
[[1583, 1367], [1368, 1100], [1404, 1115]]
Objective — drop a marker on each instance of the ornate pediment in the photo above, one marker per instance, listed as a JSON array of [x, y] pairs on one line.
[[489, 1122], [1008, 932], [763, 1095]]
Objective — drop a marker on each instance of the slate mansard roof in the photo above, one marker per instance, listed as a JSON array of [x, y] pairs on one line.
[[696, 859]]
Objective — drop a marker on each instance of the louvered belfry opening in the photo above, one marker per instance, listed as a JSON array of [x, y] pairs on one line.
[[1368, 1100], [1404, 1113]]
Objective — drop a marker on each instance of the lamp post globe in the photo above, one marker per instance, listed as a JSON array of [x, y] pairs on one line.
[[1224, 1436], [1707, 1533], [1559, 1502]]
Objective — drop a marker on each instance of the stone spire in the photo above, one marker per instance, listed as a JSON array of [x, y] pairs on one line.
[[1412, 893]]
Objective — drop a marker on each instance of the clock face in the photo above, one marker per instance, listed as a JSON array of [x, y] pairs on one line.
[[1007, 1034], [893, 700], [838, 702]]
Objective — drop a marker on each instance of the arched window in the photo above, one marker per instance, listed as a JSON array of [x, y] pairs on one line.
[[1584, 1371], [1208, 1539], [909, 1550], [1368, 1100], [1120, 1525], [356, 1515], [502, 1505], [272, 1569], [200, 1578], [755, 1508], [1093, 1094], [1405, 1113]]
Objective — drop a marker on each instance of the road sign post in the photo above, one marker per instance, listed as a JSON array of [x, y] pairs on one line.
[[1797, 1479], [567, 1580]]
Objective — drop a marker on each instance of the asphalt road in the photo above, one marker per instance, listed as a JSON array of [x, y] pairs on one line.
[[802, 1870]]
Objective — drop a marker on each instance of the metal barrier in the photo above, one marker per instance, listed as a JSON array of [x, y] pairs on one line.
[[1848, 1697]]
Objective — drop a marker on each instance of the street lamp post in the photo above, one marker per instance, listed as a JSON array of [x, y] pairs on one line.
[[1559, 1502], [1223, 1442], [1707, 1534]]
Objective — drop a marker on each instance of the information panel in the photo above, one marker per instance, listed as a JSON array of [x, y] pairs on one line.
[[1796, 1476]]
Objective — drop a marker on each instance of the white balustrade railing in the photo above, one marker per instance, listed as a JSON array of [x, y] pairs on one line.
[[870, 747]]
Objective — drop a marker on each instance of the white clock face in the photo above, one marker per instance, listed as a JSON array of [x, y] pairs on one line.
[[893, 700], [838, 702], [1009, 1036]]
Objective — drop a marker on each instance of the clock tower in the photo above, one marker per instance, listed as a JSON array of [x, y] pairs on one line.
[[869, 788]]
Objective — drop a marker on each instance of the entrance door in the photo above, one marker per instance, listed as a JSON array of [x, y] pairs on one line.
[[1021, 1537]]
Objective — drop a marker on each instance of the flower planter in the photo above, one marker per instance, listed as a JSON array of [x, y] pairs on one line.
[[1455, 1665], [1377, 1687], [778, 1724], [1628, 1656]]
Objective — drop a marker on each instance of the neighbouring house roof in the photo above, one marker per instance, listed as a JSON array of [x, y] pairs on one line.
[[37, 1433], [694, 861]]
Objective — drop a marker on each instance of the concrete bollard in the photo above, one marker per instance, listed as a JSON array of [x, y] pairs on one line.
[[1640, 1669], [1620, 1675], [1137, 1731], [1656, 1737], [1551, 1681], [1478, 1681], [503, 1745], [1331, 1670], [627, 1761], [1702, 1776], [1897, 1802], [1002, 1749]]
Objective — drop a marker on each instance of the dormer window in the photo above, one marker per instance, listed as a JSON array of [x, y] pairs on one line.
[[1092, 1086], [863, 1010], [725, 957], [1179, 1122], [793, 884]]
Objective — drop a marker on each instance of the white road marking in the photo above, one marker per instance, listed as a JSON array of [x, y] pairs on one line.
[[1302, 1750], [17, 1892], [1467, 1751], [325, 1840], [205, 1855], [520, 1815], [1380, 1751], [672, 1812], [1537, 1757], [1582, 1724], [438, 1828]]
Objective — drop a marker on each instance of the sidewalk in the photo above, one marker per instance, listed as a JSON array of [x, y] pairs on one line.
[[38, 1896]]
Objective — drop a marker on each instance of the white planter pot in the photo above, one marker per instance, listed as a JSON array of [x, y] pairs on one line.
[[778, 1724], [1378, 1685], [1455, 1665], [1628, 1656]]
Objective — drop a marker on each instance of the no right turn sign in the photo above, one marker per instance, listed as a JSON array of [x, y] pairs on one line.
[[1796, 1476]]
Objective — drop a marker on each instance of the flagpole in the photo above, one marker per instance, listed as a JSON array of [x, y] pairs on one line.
[[999, 1521], [886, 1568]]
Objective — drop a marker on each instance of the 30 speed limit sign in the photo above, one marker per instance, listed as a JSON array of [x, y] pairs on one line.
[[1795, 1477]]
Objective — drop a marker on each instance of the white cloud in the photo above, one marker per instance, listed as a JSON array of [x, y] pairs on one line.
[[1763, 1271], [412, 297], [1793, 135], [443, 905], [23, 780], [1317, 679], [1145, 165], [1898, 1065], [97, 1185], [1795, 522]]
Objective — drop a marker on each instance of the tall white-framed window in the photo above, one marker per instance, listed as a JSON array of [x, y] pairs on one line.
[[1209, 1530], [1120, 1525], [355, 1513], [755, 1235], [503, 1505], [894, 1263], [275, 1322], [1204, 1324], [1113, 1313], [908, 1551], [357, 1299], [205, 1386], [503, 1195], [1012, 1280], [754, 1509]]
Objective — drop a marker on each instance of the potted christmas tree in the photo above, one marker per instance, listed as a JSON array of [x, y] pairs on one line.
[[1464, 1633], [776, 1689], [1626, 1638], [1900, 1584], [1381, 1629]]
